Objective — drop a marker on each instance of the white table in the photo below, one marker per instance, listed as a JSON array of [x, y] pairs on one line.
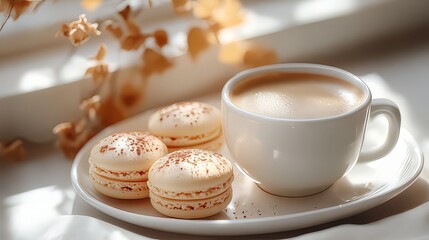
[[36, 191]]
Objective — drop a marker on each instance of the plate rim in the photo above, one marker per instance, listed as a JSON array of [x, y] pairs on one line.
[[159, 223]]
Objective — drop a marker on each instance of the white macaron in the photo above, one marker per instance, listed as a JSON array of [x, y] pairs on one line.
[[119, 164], [191, 183], [188, 125]]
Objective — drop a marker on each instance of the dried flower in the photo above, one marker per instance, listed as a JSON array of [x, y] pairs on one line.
[[204, 8], [258, 56], [113, 28], [100, 71], [134, 38], [130, 94], [181, 6], [101, 52], [15, 8], [219, 13], [198, 41], [79, 31], [250, 55], [20, 7], [228, 14], [72, 136], [90, 107], [125, 13], [161, 37], [133, 42], [232, 53], [91, 5], [13, 150], [133, 29], [109, 112], [6, 6], [98, 114], [154, 62]]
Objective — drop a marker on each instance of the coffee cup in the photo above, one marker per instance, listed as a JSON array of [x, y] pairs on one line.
[[295, 129]]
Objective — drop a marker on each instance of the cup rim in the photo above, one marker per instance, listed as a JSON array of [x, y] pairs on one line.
[[297, 67]]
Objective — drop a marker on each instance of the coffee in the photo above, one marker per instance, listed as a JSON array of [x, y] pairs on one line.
[[295, 95]]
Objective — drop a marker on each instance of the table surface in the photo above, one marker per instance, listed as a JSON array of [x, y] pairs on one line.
[[37, 190]]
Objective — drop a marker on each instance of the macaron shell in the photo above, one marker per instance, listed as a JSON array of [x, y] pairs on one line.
[[133, 151], [212, 145], [190, 209], [119, 189], [190, 140], [185, 119], [190, 170]]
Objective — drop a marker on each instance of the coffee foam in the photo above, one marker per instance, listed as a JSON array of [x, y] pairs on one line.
[[296, 95]]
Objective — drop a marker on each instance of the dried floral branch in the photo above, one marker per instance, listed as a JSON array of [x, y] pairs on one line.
[[100, 112]]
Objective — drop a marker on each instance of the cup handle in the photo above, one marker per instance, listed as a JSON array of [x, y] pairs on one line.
[[388, 109]]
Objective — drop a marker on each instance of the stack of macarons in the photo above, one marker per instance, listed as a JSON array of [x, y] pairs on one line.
[[185, 183], [119, 164], [188, 125], [190, 183]]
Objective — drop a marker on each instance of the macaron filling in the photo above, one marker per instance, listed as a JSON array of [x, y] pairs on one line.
[[181, 141], [190, 204], [186, 195], [119, 175], [113, 184]]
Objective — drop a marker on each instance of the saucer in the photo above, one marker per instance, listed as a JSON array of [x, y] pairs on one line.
[[253, 211]]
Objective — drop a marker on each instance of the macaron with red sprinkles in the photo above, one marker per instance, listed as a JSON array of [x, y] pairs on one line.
[[187, 125], [119, 164], [191, 183]]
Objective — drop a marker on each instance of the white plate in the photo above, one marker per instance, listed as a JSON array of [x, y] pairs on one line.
[[253, 211]]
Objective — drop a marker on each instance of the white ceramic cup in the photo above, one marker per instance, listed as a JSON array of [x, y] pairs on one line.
[[299, 157]]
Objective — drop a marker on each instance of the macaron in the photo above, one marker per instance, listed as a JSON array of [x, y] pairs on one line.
[[191, 183], [188, 125], [119, 164]]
